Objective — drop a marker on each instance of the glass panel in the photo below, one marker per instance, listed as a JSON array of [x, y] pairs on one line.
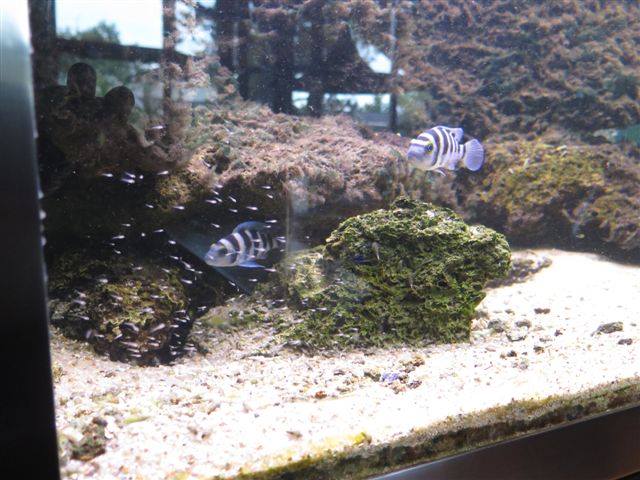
[[120, 19], [326, 239]]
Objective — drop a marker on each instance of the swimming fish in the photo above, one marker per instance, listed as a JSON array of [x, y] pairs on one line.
[[249, 241], [617, 135], [439, 148]]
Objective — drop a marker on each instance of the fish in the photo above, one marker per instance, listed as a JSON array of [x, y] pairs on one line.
[[629, 134], [249, 241], [440, 148]]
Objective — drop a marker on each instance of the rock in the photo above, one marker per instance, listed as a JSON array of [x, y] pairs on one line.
[[294, 434], [496, 326], [410, 274], [542, 310], [119, 193], [92, 443], [389, 377], [409, 365], [517, 335], [568, 196], [532, 80], [523, 266], [523, 323], [609, 328], [319, 171], [130, 307], [398, 387], [56, 372], [625, 341]]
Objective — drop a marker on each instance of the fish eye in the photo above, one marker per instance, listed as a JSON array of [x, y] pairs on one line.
[[429, 148]]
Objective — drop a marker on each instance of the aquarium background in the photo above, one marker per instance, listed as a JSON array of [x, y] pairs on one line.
[[457, 299]]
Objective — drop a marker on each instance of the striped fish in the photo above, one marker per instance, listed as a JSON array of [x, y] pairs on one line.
[[439, 149], [250, 241]]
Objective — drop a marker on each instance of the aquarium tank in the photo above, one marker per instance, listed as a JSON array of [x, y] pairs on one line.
[[319, 239]]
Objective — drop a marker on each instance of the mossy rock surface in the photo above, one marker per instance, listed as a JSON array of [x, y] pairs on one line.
[[566, 196], [411, 274], [129, 307]]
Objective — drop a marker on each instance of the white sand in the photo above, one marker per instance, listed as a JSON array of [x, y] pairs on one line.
[[227, 411]]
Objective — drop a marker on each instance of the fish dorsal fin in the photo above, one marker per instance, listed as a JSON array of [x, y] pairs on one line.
[[252, 225], [456, 132]]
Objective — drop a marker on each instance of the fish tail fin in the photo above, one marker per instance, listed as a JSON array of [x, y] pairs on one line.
[[474, 155]]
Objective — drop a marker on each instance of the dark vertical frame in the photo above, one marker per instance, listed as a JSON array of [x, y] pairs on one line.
[[27, 423], [42, 17]]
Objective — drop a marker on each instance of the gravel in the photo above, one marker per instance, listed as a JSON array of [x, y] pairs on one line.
[[234, 410]]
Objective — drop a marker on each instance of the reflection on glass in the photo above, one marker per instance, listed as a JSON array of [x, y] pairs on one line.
[[75, 16], [327, 239]]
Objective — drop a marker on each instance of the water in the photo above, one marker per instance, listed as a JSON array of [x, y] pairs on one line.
[[262, 253]]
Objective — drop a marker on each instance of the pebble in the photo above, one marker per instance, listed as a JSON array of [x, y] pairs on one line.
[[625, 341], [510, 353], [609, 328], [496, 326], [517, 336], [414, 384]]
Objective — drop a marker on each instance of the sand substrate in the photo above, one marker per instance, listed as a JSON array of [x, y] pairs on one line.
[[543, 351]]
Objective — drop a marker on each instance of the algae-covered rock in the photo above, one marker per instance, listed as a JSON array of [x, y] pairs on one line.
[[539, 194], [523, 67], [412, 273], [130, 307], [92, 443], [227, 163]]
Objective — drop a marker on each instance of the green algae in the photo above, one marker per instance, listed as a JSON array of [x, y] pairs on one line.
[[537, 177], [118, 290], [328, 455], [561, 195], [56, 373], [92, 443], [235, 315], [182, 188], [453, 435], [135, 419], [124, 306], [411, 274]]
